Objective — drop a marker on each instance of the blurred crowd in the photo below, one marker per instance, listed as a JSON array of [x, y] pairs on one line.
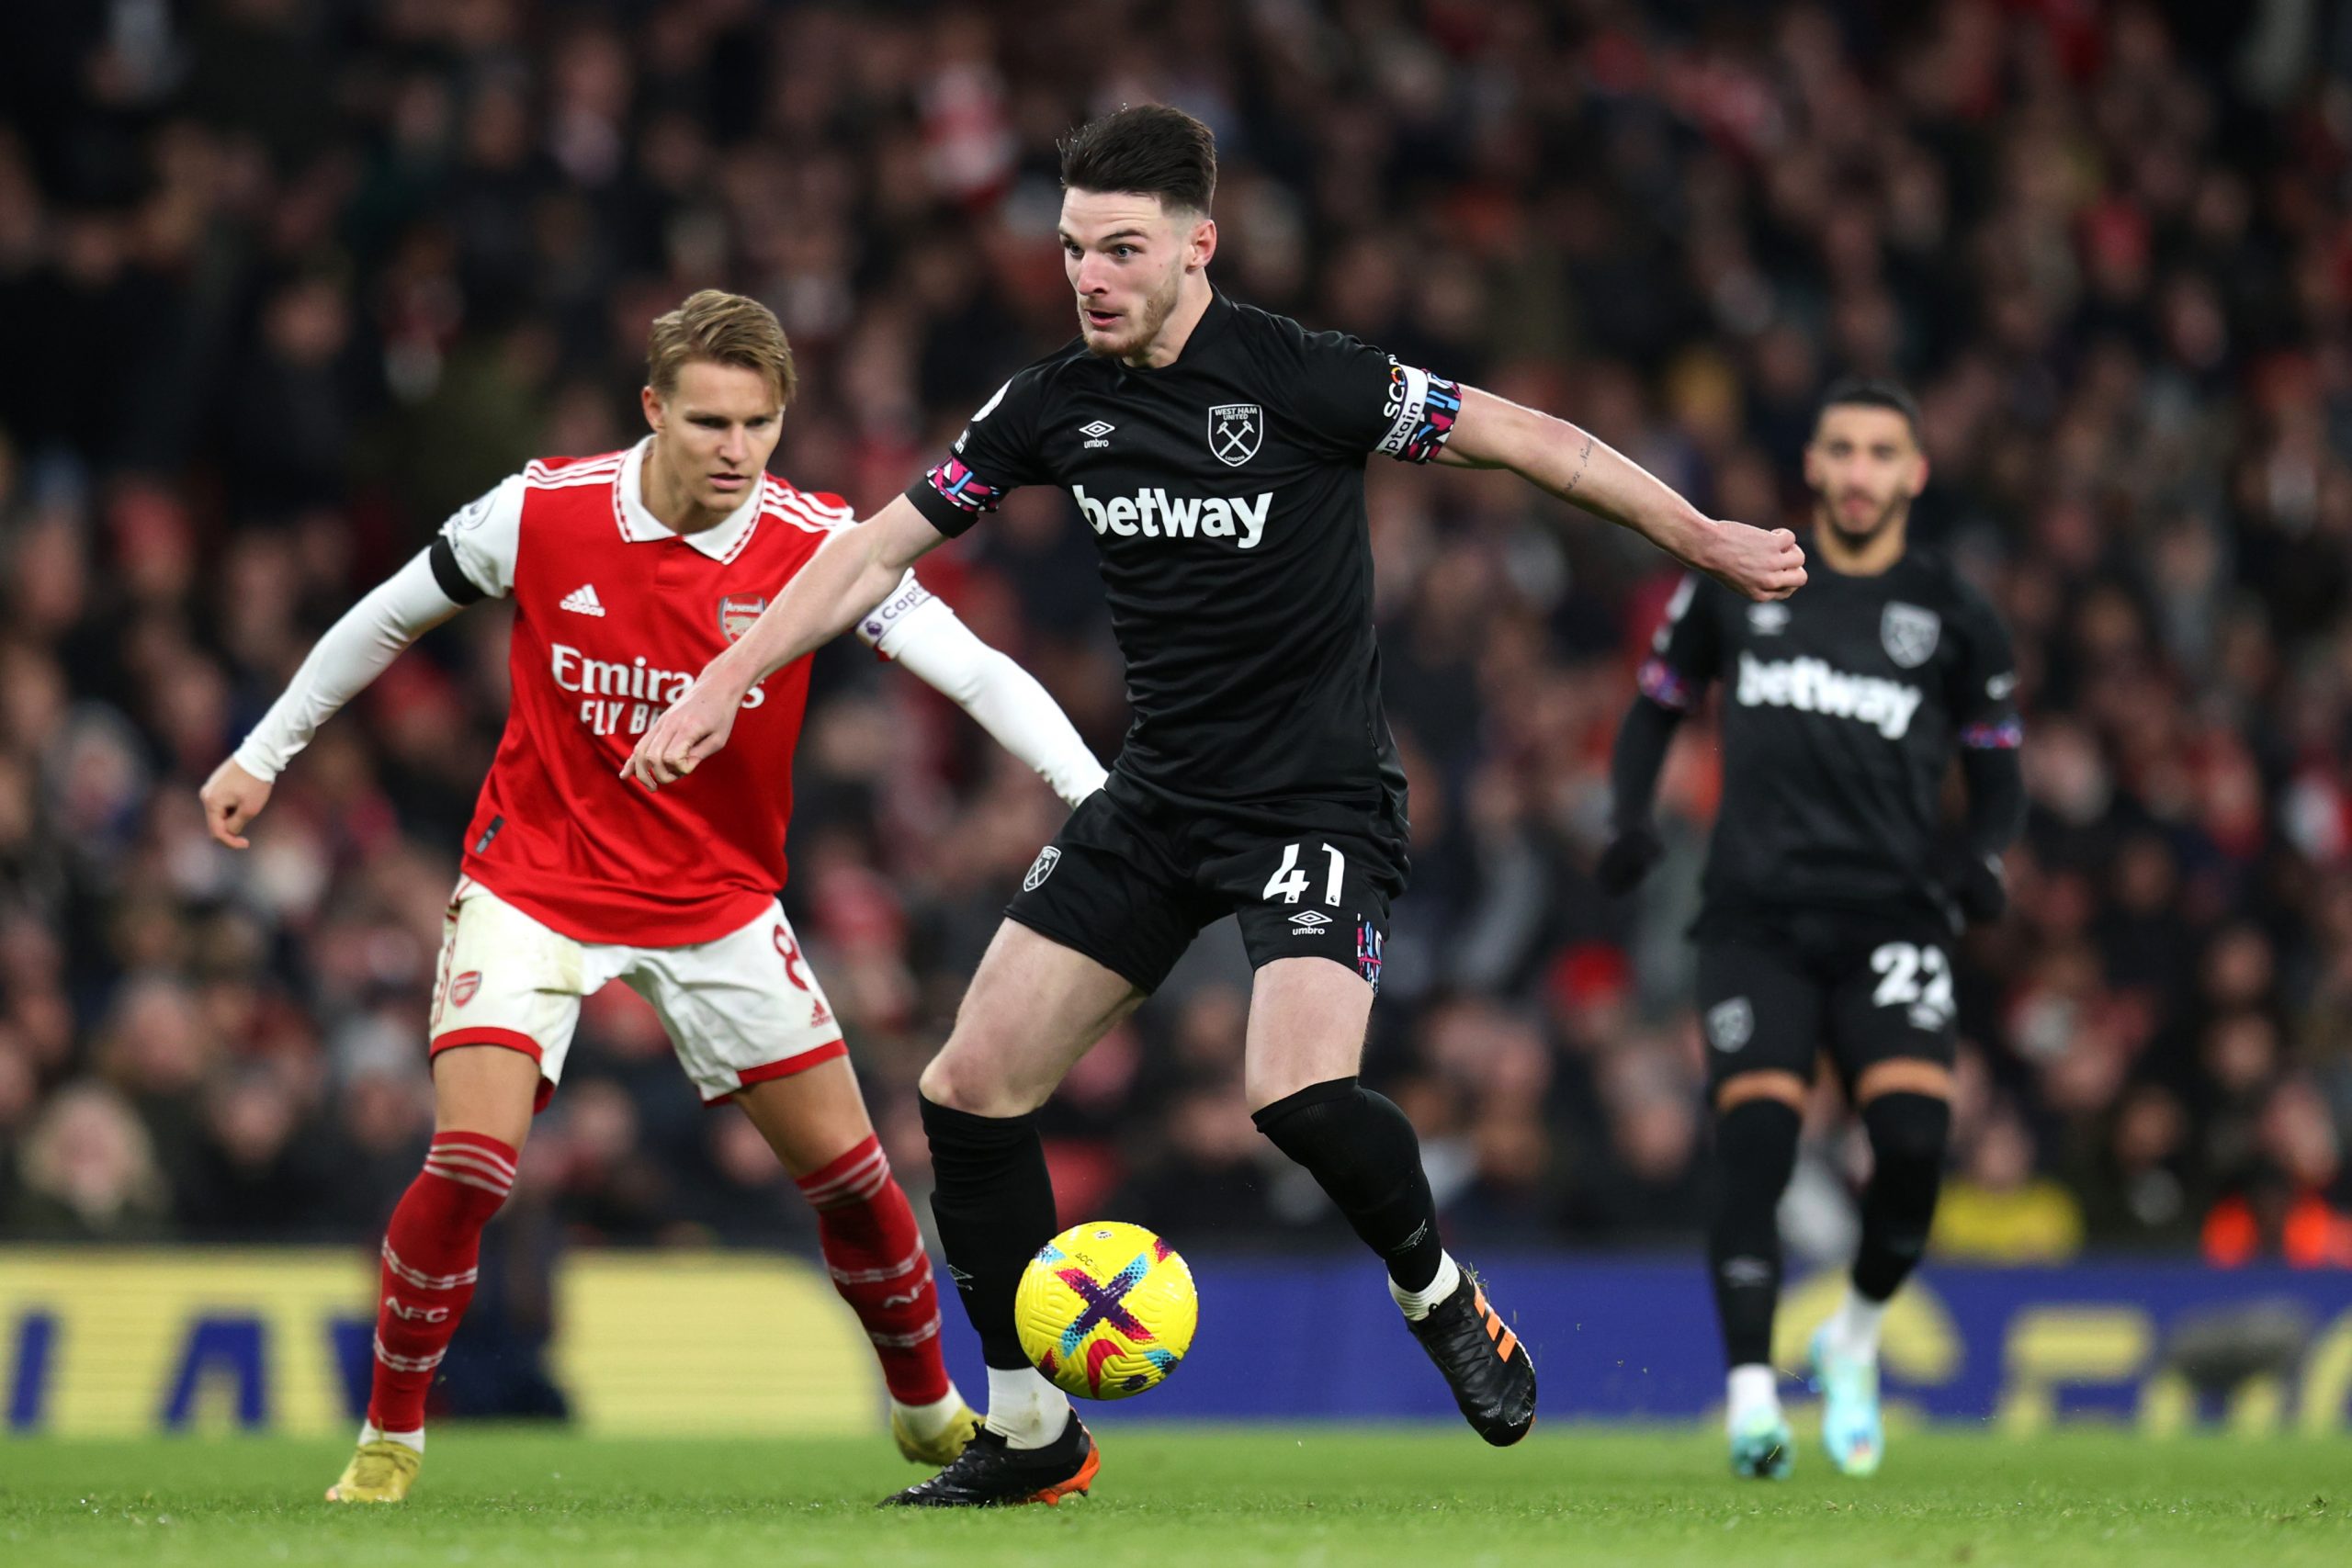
[[282, 282]]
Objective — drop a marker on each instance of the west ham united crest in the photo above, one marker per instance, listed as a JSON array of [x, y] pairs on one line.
[[1235, 430], [1910, 634], [737, 611], [1041, 868]]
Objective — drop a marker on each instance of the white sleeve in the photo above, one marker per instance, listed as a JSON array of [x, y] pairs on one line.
[[931, 642], [354, 651], [883, 629], [484, 535]]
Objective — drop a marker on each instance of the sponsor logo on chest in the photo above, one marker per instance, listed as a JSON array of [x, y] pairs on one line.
[[1813, 685], [1154, 513], [624, 696]]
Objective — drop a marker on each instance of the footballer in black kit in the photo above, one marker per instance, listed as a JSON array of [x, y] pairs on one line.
[[1226, 494], [1217, 453], [1832, 884]]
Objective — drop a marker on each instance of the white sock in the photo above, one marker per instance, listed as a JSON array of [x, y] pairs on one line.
[[1750, 1392], [927, 1421], [1416, 1303], [1027, 1409], [1853, 1331], [371, 1433]]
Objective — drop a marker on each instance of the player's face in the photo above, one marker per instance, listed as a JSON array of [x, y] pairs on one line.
[[1126, 257], [713, 434], [1865, 469]]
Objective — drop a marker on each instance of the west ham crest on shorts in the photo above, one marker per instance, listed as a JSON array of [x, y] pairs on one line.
[[1910, 634], [1730, 1024], [1041, 868], [738, 611], [1235, 430]]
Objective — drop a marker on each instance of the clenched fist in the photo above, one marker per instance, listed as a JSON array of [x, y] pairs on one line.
[[232, 797], [1755, 563]]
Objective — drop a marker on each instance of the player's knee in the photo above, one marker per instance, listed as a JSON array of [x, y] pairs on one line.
[[1756, 1145], [1908, 1135], [964, 1080]]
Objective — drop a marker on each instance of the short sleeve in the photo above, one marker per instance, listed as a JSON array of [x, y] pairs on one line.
[[1685, 652], [1361, 399], [481, 538], [889, 623], [995, 455], [1983, 679]]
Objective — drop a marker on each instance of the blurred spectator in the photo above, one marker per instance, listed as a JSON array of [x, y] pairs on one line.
[[88, 1173]]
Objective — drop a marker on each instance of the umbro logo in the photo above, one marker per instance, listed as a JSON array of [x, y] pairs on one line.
[[1096, 432], [583, 601], [1309, 922]]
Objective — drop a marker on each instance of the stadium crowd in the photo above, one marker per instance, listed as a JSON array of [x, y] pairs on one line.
[[283, 282]]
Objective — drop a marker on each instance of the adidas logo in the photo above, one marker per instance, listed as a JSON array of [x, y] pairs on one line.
[[583, 601]]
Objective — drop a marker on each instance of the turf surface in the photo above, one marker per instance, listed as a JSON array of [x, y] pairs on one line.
[[1180, 1498]]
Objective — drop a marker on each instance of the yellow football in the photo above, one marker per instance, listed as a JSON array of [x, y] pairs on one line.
[[1106, 1310]]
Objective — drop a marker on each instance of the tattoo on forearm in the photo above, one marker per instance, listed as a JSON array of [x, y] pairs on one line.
[[1583, 458]]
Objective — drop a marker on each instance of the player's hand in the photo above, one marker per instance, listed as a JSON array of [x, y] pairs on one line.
[[696, 726], [1978, 888], [232, 797], [1755, 563], [1627, 859]]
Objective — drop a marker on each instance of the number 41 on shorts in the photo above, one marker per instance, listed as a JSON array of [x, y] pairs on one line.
[[1290, 881]]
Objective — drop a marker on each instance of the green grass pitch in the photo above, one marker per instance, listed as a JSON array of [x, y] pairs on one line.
[[1178, 1498]]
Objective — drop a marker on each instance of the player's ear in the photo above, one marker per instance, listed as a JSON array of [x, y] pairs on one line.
[[652, 401], [1203, 244], [1813, 467]]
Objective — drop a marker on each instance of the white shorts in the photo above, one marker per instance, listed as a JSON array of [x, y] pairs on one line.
[[739, 1009]]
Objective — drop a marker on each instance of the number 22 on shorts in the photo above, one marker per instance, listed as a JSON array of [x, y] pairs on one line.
[[1289, 881]]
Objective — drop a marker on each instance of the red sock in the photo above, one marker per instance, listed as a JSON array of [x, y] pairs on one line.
[[430, 1251], [878, 1264]]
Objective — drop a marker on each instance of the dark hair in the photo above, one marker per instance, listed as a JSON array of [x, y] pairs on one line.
[[1871, 392], [1146, 149]]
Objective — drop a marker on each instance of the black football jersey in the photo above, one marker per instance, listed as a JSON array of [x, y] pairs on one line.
[[1224, 492], [1842, 708]]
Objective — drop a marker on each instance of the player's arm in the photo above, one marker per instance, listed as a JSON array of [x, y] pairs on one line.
[[931, 642], [853, 572], [1684, 658], [354, 650], [1579, 467], [1992, 733]]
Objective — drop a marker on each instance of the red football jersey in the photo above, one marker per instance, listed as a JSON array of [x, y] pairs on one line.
[[614, 617]]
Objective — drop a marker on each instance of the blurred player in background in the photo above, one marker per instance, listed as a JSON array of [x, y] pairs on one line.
[[1833, 885], [1217, 453], [629, 573]]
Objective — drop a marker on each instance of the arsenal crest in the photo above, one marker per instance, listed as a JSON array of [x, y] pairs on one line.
[[1910, 634], [462, 988], [737, 611], [1235, 430]]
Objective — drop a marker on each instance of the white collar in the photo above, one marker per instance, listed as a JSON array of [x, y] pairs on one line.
[[639, 525]]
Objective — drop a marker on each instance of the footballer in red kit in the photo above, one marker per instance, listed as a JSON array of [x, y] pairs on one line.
[[629, 573]]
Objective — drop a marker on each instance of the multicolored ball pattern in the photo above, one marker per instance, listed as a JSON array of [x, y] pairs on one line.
[[1106, 1310]]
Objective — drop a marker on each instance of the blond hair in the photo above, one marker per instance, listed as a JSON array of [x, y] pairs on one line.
[[725, 329]]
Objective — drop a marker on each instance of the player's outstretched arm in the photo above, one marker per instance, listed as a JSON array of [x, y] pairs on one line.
[[354, 651], [1576, 466], [934, 644], [850, 573]]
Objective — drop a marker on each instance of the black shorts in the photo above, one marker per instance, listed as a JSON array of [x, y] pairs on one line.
[[1131, 888], [1867, 989]]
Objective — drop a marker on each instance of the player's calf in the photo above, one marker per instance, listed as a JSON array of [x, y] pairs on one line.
[[1756, 1147], [874, 1253], [431, 1252]]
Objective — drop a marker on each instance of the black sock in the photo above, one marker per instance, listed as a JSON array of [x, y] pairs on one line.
[[1909, 1132], [1364, 1151], [1756, 1149], [993, 1201]]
